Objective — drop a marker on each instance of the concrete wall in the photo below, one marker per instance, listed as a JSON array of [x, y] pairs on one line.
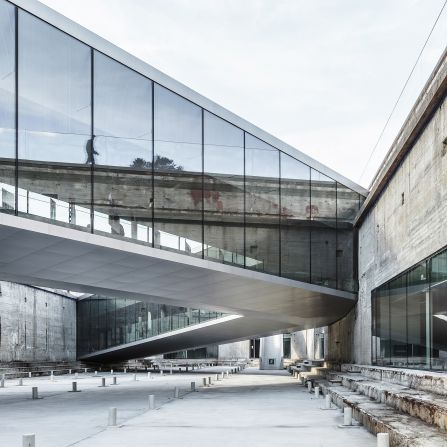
[[306, 344], [237, 350], [406, 225], [36, 325]]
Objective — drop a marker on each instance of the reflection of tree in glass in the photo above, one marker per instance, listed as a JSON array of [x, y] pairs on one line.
[[161, 163]]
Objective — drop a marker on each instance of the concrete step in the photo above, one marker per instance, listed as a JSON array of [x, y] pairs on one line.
[[404, 430], [429, 407]]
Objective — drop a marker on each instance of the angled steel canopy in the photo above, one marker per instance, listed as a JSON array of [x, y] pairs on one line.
[[38, 253]]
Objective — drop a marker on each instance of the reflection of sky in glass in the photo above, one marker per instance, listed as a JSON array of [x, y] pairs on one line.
[[54, 88], [178, 129], [293, 169], [7, 80], [224, 143], [122, 100], [261, 159]]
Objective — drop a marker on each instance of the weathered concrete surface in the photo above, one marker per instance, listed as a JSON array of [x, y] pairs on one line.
[[36, 325], [246, 409], [406, 225], [378, 417], [271, 353], [307, 344], [234, 351]]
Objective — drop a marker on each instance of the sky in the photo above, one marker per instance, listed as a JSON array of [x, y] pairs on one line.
[[321, 75]]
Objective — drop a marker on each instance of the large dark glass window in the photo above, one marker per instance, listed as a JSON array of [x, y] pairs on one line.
[[178, 173], [7, 107], [223, 191], [295, 219], [398, 321], [418, 311], [347, 208], [262, 206], [122, 151], [54, 124], [438, 276], [381, 336], [323, 230]]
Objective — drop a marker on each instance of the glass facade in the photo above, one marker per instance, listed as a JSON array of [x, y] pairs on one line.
[[409, 317], [89, 143], [105, 322]]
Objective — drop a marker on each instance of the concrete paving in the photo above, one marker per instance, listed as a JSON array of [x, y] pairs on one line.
[[251, 408]]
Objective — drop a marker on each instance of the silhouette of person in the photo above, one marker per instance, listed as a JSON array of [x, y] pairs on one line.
[[90, 149]]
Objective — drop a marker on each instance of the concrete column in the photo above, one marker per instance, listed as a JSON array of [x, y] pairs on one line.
[[112, 416], [327, 402], [271, 352], [317, 392], [35, 392], [204, 381], [134, 377], [29, 440], [383, 440], [114, 380], [103, 381], [151, 401], [347, 416], [20, 382]]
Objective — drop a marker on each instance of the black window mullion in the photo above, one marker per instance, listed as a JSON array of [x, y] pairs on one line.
[[16, 117], [92, 136]]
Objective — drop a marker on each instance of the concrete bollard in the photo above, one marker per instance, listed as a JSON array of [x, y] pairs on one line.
[[85, 370], [187, 369], [193, 386], [96, 373], [217, 376], [327, 404], [317, 392], [2, 383], [170, 371], [125, 370], [30, 374], [309, 386], [76, 375], [204, 381], [103, 381], [383, 440], [20, 382], [176, 393], [227, 374], [74, 387], [161, 372], [114, 380], [149, 375], [151, 401], [222, 375], [209, 381], [35, 393], [134, 377], [112, 416], [69, 372], [347, 416], [111, 372], [52, 376], [29, 440]]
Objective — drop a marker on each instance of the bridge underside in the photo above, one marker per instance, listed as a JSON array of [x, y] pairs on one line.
[[37, 253]]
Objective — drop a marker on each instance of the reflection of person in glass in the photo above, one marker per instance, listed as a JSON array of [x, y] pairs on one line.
[[115, 226], [90, 149]]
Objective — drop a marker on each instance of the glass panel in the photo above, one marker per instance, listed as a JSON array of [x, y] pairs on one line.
[[122, 151], [223, 191], [418, 309], [323, 230], [178, 173], [438, 277], [295, 219], [382, 326], [347, 208], [261, 206], [54, 124], [398, 321], [7, 107]]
